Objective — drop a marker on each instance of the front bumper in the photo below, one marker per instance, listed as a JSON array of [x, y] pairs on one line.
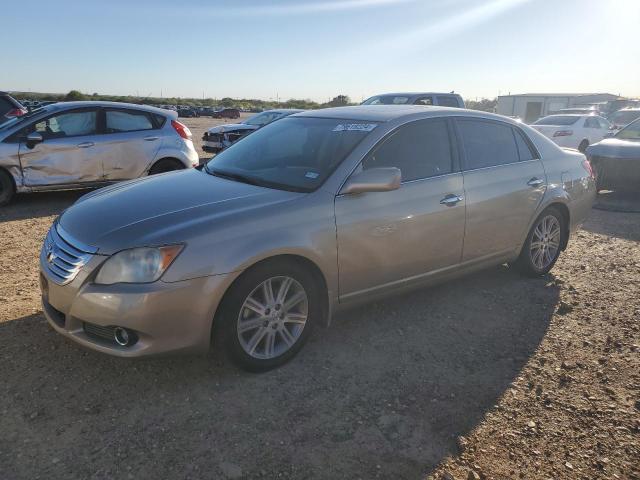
[[165, 317]]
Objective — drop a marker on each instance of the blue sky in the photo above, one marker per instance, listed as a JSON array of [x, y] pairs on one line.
[[320, 48]]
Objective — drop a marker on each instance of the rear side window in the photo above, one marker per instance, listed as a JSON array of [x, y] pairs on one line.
[[524, 150], [591, 122], [420, 150], [487, 144], [448, 101], [127, 121]]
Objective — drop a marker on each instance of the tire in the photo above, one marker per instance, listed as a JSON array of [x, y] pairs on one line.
[[165, 165], [537, 261], [253, 330], [583, 146], [7, 188]]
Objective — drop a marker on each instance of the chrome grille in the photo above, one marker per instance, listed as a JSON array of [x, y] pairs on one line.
[[62, 256]]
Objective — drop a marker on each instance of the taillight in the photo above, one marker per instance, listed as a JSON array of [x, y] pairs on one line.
[[563, 133], [181, 129], [586, 164], [16, 112]]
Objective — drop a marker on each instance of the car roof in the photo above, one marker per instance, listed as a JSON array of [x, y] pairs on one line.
[[386, 113], [88, 103], [412, 94]]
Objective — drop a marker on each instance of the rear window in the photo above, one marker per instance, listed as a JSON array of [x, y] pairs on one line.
[[557, 120]]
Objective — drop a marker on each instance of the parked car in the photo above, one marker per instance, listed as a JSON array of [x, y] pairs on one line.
[[188, 112], [220, 137], [573, 130], [624, 117], [616, 160], [423, 98], [226, 113], [86, 144], [206, 111], [10, 107], [308, 215]]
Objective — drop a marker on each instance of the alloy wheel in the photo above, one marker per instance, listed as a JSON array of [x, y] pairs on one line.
[[272, 317], [545, 242]]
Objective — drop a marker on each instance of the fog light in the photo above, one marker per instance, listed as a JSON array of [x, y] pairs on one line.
[[121, 336]]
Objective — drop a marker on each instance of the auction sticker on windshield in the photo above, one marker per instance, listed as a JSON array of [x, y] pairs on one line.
[[354, 127]]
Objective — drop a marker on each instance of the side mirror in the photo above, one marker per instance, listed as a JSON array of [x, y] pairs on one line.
[[33, 139], [373, 180]]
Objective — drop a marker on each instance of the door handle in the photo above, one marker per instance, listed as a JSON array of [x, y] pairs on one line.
[[535, 182], [451, 200], [86, 145], [150, 139]]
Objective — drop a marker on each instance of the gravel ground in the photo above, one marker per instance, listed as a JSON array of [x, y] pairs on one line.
[[493, 376]]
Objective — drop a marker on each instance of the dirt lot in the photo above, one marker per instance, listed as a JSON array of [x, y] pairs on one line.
[[493, 376], [199, 125]]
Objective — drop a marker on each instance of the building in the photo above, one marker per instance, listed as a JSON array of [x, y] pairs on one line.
[[531, 106]]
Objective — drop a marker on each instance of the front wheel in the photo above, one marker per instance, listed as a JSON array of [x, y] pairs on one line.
[[268, 315], [543, 244]]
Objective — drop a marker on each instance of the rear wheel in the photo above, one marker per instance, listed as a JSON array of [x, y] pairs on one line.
[[268, 315], [543, 244], [165, 165], [583, 146], [7, 188]]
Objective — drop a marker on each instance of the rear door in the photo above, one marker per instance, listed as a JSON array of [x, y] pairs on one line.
[[388, 237], [504, 181], [131, 139], [67, 154]]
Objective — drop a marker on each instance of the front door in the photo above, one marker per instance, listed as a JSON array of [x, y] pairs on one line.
[[131, 141], [504, 182], [67, 154], [386, 238]]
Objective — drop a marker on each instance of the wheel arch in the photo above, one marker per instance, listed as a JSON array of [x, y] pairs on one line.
[[318, 275], [564, 210], [167, 157]]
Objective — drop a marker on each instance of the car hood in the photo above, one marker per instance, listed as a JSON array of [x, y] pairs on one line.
[[232, 126], [162, 209], [615, 148]]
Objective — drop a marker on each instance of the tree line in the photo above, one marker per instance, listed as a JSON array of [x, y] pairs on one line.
[[485, 104]]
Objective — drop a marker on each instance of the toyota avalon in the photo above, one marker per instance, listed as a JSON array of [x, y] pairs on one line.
[[305, 216]]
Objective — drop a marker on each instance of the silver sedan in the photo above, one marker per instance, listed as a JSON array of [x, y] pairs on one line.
[[88, 144], [306, 216]]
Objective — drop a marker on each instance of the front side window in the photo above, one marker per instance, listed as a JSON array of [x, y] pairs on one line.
[[420, 150], [424, 101], [295, 153], [487, 144], [127, 121], [603, 123], [71, 124], [387, 100]]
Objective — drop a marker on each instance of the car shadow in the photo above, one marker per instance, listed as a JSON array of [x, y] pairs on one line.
[[383, 392], [619, 224], [41, 204]]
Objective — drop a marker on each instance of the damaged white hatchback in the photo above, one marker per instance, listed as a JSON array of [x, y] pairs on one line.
[[86, 144]]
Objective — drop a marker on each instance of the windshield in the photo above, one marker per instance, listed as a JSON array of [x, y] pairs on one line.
[[630, 132], [262, 118], [387, 100], [557, 120], [295, 153], [624, 117]]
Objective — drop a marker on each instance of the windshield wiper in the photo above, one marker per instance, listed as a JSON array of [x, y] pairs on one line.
[[238, 177]]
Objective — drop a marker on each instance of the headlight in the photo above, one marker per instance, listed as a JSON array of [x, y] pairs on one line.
[[137, 265]]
